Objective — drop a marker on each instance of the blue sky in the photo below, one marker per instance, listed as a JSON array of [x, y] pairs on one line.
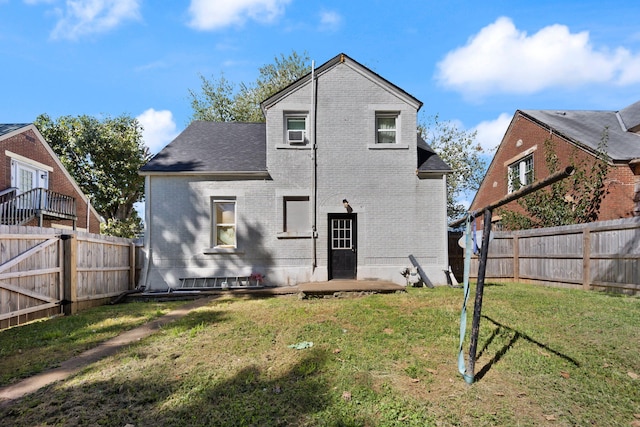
[[470, 62]]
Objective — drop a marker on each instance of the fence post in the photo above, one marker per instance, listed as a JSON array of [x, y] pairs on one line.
[[132, 265], [586, 259], [516, 257], [70, 297]]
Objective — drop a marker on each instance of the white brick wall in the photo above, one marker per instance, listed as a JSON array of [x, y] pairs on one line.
[[398, 214]]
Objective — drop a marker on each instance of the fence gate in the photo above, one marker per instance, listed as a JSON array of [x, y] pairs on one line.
[[31, 276]]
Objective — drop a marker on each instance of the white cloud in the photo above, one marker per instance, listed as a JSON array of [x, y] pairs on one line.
[[159, 128], [216, 14], [501, 58], [330, 21], [631, 72], [490, 133], [83, 17]]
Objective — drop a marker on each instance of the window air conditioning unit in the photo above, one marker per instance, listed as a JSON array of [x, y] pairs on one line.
[[295, 136]]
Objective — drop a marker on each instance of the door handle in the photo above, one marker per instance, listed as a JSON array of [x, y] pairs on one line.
[[353, 249]]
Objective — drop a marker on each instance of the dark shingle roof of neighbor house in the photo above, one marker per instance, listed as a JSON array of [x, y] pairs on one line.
[[214, 147], [10, 127], [586, 127]]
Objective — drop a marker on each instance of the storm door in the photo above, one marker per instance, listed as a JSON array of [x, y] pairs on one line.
[[342, 246], [24, 178]]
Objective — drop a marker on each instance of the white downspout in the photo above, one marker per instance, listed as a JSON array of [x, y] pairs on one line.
[[147, 232], [314, 170]]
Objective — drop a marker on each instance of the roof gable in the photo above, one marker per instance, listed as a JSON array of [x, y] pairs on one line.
[[335, 61], [9, 130]]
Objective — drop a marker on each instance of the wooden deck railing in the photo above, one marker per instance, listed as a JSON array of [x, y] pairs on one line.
[[36, 203]]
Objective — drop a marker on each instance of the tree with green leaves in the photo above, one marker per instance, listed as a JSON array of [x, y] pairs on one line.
[[460, 151], [573, 200], [220, 100], [103, 156]]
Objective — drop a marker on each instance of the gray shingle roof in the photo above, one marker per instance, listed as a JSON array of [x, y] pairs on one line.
[[10, 127], [630, 116], [239, 147], [586, 127], [428, 160], [214, 147]]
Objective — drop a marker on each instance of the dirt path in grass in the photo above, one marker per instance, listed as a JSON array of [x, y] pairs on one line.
[[70, 367]]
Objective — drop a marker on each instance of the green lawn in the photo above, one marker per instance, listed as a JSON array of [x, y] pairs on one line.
[[43, 344], [546, 356]]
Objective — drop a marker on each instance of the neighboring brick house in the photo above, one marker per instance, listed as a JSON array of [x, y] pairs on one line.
[[335, 185], [574, 133], [35, 188]]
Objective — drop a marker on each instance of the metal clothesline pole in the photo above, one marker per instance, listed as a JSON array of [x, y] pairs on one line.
[[484, 251]]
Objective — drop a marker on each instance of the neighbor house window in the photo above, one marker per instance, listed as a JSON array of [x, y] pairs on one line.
[[27, 176], [295, 128], [520, 173], [296, 215], [224, 223]]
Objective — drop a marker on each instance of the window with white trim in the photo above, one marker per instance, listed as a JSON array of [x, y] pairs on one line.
[[520, 173], [296, 214], [295, 128], [386, 128], [224, 225]]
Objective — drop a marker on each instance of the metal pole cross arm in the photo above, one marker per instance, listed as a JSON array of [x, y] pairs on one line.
[[558, 176]]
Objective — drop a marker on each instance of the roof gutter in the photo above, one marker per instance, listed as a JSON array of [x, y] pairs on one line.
[[635, 166], [216, 174], [425, 174], [144, 275]]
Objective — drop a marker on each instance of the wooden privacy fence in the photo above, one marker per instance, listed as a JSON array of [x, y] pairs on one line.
[[45, 272], [595, 256]]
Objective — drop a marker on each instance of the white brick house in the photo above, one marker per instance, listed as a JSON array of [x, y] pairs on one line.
[[343, 190]]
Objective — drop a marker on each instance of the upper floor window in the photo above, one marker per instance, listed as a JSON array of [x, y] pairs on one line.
[[296, 128], [386, 128], [224, 223], [520, 173]]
